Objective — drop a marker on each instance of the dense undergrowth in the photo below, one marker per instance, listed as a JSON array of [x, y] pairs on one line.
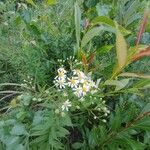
[[74, 75]]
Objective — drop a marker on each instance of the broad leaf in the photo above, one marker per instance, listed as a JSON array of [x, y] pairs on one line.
[[102, 20], [18, 129], [94, 32], [119, 84]]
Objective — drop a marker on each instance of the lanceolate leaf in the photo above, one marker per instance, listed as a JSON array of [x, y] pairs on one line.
[[77, 23], [141, 54], [142, 26], [121, 49], [91, 58], [128, 74], [51, 2]]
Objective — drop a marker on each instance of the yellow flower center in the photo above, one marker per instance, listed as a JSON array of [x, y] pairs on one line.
[[60, 74], [73, 81], [84, 89]]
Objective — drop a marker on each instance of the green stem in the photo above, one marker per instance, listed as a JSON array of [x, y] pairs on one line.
[[113, 135]]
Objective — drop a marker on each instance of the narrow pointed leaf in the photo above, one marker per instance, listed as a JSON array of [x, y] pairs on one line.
[[142, 26], [142, 54], [128, 74], [77, 23], [121, 49], [51, 2]]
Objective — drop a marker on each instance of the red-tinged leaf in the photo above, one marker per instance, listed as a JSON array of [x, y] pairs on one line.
[[142, 26], [91, 58], [84, 60], [141, 54], [86, 23]]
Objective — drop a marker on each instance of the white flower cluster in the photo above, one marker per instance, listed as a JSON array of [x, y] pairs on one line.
[[79, 82]]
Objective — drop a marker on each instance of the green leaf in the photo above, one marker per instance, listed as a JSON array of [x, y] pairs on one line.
[[19, 147], [77, 23], [18, 129], [119, 84], [94, 32], [51, 2], [77, 145], [31, 2], [62, 132], [130, 144], [143, 124], [39, 139], [66, 120], [142, 83], [115, 120], [102, 20], [104, 49], [26, 99], [121, 49], [128, 74], [146, 108]]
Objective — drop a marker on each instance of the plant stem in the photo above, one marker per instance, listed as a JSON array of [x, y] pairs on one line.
[[112, 135]]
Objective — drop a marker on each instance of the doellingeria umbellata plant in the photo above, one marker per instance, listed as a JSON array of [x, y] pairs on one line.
[[80, 108]]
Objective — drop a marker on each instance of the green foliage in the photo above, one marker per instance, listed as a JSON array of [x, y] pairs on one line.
[[38, 37]]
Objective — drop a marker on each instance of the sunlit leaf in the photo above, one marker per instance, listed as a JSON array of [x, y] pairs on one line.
[[121, 49], [104, 49], [51, 2]]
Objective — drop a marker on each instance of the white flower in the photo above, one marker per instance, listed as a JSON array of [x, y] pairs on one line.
[[92, 84], [61, 70], [78, 91], [66, 105], [73, 82], [85, 89], [61, 73], [81, 91], [60, 83], [80, 74], [97, 83]]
